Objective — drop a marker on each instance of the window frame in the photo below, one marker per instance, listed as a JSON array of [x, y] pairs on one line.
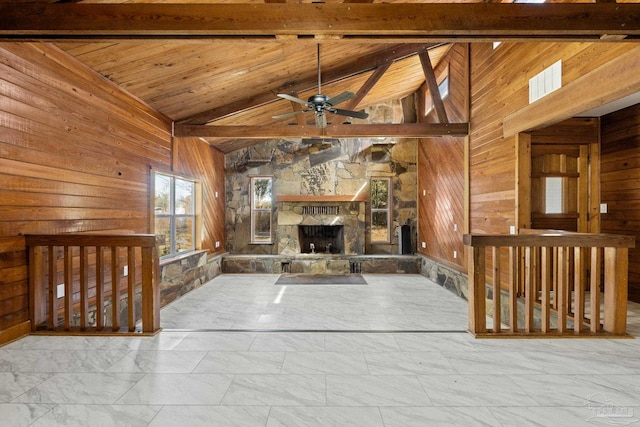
[[194, 214], [388, 209], [254, 210]]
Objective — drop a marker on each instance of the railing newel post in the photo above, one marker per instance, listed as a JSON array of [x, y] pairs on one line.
[[477, 291]]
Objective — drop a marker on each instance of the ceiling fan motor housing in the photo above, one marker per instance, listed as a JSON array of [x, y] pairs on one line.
[[318, 100]]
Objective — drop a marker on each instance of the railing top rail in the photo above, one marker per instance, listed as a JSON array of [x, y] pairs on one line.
[[559, 239], [88, 239]]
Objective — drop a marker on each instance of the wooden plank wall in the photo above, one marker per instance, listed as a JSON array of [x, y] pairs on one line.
[[441, 170], [196, 159], [620, 183], [499, 86], [75, 156]]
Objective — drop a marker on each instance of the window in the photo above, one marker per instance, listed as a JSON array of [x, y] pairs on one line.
[[443, 88], [261, 209], [380, 209], [553, 197], [175, 217]]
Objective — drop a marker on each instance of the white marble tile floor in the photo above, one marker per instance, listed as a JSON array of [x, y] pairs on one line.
[[241, 351]]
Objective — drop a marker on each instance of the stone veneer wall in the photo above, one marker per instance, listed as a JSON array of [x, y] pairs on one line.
[[186, 273], [449, 278], [304, 168]]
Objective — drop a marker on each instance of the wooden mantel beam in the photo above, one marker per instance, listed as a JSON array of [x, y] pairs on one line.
[[406, 130], [334, 21]]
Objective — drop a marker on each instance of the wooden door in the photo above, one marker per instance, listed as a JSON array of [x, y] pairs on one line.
[[560, 187]]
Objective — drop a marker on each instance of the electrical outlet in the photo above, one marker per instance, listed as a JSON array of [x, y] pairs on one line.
[[455, 227], [604, 208], [217, 244], [512, 229], [125, 271], [455, 254], [424, 245], [424, 192], [60, 290]]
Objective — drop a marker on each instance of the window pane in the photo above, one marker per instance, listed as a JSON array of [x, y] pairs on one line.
[[184, 234], [163, 194], [163, 228], [262, 193], [379, 226], [262, 226], [184, 197], [553, 195], [379, 193], [443, 88]]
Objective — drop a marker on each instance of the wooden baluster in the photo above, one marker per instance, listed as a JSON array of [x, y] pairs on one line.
[[578, 285], [131, 288], [615, 289], [53, 289], [545, 271], [84, 288], [563, 279], [555, 277], [68, 286], [99, 289], [477, 291], [115, 290], [150, 292], [569, 283], [594, 286], [497, 304], [514, 275], [535, 269], [529, 290]]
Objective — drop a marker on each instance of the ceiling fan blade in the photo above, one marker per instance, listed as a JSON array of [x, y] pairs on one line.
[[349, 113], [289, 114], [293, 98], [344, 96]]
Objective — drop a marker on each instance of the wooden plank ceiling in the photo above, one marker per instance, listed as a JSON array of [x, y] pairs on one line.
[[234, 81]]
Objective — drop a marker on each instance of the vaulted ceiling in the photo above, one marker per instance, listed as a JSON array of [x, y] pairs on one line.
[[231, 76]]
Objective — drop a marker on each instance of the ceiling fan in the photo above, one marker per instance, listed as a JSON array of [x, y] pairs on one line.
[[321, 104]]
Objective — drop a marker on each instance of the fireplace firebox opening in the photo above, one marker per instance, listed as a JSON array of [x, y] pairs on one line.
[[327, 239]]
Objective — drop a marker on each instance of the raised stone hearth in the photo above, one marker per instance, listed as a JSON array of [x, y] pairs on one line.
[[321, 264]]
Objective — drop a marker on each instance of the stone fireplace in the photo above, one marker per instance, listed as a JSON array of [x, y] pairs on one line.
[[332, 224]]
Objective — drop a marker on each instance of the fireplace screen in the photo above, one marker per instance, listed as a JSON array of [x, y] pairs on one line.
[[328, 239]]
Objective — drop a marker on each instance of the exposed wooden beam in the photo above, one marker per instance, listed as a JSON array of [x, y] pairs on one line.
[[358, 66], [368, 85], [614, 80], [433, 21], [406, 130], [432, 85]]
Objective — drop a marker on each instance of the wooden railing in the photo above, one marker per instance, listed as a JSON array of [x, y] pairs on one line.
[[79, 283], [553, 284]]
